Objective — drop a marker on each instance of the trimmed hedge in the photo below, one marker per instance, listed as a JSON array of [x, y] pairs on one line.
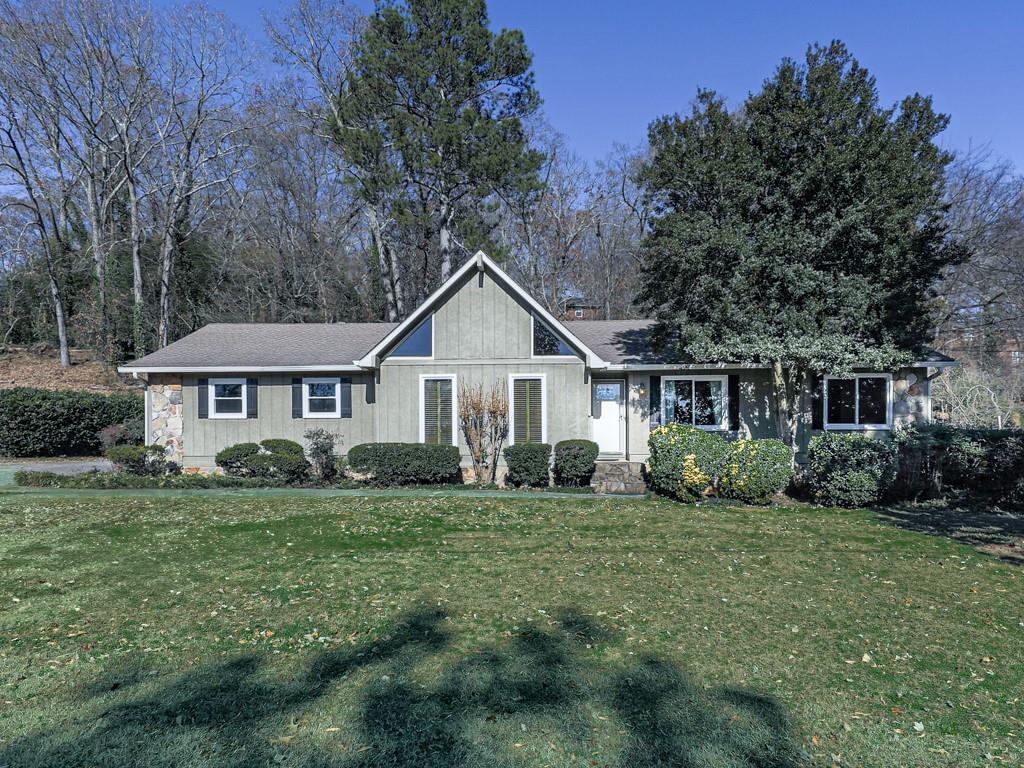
[[757, 470], [575, 461], [406, 463], [38, 422], [274, 458], [849, 470], [143, 460], [686, 462], [124, 480], [528, 464]]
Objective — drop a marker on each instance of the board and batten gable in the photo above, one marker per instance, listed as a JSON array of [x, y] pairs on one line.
[[482, 335]]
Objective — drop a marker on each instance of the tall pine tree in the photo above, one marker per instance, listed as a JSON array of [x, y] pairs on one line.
[[802, 231]]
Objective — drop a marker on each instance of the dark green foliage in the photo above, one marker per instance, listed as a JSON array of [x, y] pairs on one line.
[[406, 463], [805, 228], [575, 461], [849, 470], [116, 480], [938, 460], [129, 432], [756, 471], [321, 452], [686, 462], [234, 459], [528, 464], [145, 460], [281, 445], [38, 422]]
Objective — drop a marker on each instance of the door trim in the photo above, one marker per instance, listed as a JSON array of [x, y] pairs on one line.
[[623, 416]]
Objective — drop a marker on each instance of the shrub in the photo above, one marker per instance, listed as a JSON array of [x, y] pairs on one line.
[[234, 459], [321, 452], [283, 446], [406, 463], [528, 464], [115, 480], [757, 470], [38, 422], [849, 470], [686, 462], [574, 462], [129, 432], [143, 460]]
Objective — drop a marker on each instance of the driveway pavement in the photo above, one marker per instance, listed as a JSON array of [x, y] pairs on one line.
[[60, 466]]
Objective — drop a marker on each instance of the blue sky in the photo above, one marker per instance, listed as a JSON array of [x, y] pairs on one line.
[[606, 69]]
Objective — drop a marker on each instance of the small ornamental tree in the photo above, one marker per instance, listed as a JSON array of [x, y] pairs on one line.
[[802, 231], [483, 419]]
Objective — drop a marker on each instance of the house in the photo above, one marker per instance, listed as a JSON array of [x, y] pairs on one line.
[[579, 309], [232, 383]]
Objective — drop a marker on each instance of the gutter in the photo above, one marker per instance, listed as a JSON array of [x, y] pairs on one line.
[[135, 370]]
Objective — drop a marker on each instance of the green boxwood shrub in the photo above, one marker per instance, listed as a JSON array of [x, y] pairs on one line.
[[38, 422], [575, 461], [757, 470], [281, 445], [528, 464], [234, 459], [406, 463], [143, 460], [849, 470], [686, 462]]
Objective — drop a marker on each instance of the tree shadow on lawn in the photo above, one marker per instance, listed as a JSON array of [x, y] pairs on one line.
[[230, 713], [983, 526]]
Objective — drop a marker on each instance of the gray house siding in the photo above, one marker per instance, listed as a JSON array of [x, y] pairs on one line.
[[203, 438]]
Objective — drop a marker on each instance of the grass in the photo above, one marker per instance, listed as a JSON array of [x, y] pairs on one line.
[[307, 630]]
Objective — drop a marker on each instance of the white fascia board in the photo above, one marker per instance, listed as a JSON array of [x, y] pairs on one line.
[[235, 368], [739, 366], [481, 262]]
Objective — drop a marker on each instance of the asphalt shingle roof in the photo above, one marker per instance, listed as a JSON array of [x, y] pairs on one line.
[[268, 345]]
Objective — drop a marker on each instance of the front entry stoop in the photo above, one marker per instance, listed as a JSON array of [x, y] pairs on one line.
[[619, 477]]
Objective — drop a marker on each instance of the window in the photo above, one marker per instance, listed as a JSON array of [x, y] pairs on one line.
[[227, 398], [577, 313], [321, 398], [858, 402], [437, 410], [1016, 357], [697, 400], [527, 409], [546, 343], [419, 343]]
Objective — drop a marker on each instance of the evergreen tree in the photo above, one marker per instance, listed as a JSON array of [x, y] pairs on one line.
[[435, 101], [803, 231]]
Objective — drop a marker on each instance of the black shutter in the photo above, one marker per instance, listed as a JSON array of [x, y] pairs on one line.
[[818, 402], [345, 399], [734, 402], [252, 398], [203, 390], [296, 398], [655, 401]]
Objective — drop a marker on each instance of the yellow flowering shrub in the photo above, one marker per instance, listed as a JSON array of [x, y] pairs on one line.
[[756, 471], [686, 462]]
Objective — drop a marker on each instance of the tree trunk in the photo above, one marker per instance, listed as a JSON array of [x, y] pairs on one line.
[[166, 275], [445, 239], [99, 261], [790, 402], [387, 262], [58, 310], [138, 306]]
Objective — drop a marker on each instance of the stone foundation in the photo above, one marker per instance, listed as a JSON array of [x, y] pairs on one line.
[[619, 477], [165, 415]]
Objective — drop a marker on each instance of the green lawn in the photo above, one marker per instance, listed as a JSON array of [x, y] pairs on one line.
[[245, 630]]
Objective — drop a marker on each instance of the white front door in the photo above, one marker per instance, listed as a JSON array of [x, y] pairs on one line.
[[609, 416]]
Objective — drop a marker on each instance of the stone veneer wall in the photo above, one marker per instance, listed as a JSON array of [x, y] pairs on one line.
[[911, 402], [165, 415]]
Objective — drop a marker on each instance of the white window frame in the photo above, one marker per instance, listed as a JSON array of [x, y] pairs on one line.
[[212, 401], [856, 402], [453, 378], [577, 313], [512, 377], [432, 317], [722, 426], [336, 413], [534, 319]]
